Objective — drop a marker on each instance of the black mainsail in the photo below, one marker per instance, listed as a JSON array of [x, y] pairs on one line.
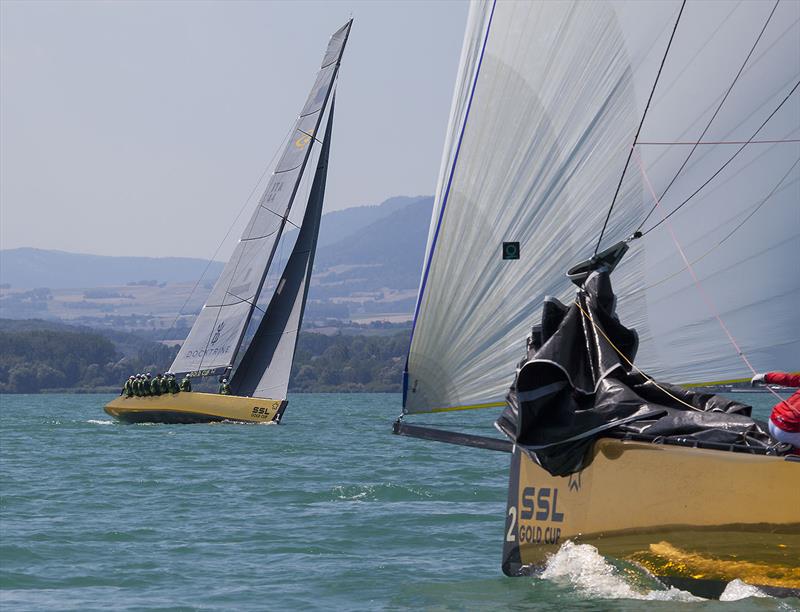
[[265, 368], [216, 336]]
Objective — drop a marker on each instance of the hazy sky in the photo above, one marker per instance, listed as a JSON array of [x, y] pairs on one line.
[[140, 128]]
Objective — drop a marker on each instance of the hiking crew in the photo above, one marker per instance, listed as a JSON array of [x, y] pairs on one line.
[[127, 388], [137, 385], [224, 387], [155, 385], [147, 385], [186, 383]]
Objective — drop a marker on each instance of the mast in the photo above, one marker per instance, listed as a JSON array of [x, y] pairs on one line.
[[266, 366], [218, 331]]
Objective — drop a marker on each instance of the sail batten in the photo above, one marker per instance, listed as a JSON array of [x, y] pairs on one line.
[[266, 366], [216, 336], [553, 103]]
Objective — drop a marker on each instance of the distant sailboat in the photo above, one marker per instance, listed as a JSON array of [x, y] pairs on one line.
[[260, 381], [580, 130]]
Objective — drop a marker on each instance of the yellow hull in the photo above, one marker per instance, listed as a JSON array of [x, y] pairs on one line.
[[195, 407], [692, 517]]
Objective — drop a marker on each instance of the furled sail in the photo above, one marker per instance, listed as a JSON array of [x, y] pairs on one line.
[[217, 333], [265, 368], [547, 107]]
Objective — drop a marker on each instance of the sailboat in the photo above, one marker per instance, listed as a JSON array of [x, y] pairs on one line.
[[619, 185], [259, 378]]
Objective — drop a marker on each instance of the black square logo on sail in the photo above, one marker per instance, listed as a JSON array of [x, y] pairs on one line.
[[511, 250]]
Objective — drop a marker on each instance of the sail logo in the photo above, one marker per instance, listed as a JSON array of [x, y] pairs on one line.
[[302, 142], [511, 250], [215, 337]]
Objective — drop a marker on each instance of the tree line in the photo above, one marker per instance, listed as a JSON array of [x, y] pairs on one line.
[[41, 360]]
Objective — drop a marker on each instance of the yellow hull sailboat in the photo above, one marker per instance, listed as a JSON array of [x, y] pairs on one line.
[[259, 379], [668, 128], [195, 407], [695, 518]]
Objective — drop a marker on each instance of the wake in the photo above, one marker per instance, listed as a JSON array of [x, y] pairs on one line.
[[583, 568]]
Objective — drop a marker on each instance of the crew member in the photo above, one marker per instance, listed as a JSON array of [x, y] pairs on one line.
[[784, 422], [165, 384], [147, 384], [155, 385], [172, 383], [224, 387], [137, 385], [186, 383], [127, 388]]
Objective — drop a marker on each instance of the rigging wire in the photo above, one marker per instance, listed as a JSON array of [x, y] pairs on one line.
[[719, 142], [639, 129], [706, 298], [628, 361], [735, 229], [721, 168], [716, 112], [227, 233]]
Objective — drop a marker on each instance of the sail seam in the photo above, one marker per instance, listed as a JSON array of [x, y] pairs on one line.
[[447, 194]]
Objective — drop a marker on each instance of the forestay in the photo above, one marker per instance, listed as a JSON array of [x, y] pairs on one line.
[[217, 333], [547, 103]]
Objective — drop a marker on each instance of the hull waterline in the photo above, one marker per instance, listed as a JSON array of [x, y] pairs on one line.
[[694, 518], [193, 407]]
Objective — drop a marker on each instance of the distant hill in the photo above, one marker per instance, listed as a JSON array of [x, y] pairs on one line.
[[393, 246], [389, 238], [341, 224], [29, 268]]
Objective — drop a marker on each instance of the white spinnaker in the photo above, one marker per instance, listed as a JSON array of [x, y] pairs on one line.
[[534, 155]]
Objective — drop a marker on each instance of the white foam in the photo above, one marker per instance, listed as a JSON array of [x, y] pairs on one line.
[[736, 590], [96, 422], [585, 569]]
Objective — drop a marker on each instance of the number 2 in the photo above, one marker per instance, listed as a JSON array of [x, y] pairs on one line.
[[512, 512]]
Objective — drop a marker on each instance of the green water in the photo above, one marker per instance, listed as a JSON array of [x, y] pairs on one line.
[[326, 511]]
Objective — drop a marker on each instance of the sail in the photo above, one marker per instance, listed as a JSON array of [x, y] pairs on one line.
[[265, 368], [547, 107], [217, 333]]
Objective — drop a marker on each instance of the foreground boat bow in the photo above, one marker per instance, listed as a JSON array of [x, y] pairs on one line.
[[695, 518]]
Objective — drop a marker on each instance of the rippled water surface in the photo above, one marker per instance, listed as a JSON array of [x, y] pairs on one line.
[[326, 511]]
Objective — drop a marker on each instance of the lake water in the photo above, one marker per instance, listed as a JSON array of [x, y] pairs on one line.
[[326, 511]]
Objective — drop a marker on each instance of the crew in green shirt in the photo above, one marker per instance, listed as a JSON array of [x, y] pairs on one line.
[[147, 384], [172, 384], [224, 387], [155, 385], [127, 388], [186, 383]]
